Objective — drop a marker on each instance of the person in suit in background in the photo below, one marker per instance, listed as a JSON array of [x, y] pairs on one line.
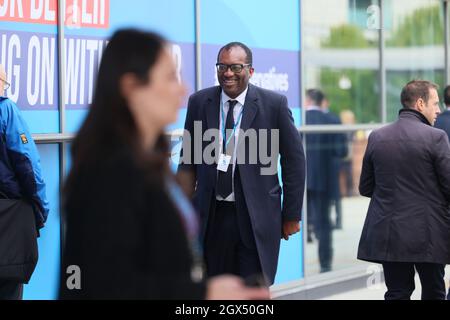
[[443, 120], [340, 147], [130, 230], [406, 173], [346, 170], [314, 115], [443, 123], [321, 150], [243, 219]]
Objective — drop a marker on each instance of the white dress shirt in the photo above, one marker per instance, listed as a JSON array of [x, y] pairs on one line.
[[309, 108]]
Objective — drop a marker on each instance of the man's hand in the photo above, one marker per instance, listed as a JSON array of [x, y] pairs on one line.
[[228, 287], [290, 228], [186, 180]]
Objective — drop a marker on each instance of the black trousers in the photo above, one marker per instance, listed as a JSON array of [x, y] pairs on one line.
[[319, 213], [11, 290], [225, 252], [338, 207], [399, 278]]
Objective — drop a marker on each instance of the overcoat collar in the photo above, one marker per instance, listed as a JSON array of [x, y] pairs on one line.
[[412, 114]]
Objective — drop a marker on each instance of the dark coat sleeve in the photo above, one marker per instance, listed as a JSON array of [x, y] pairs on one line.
[[292, 164], [442, 163], [187, 150], [367, 179], [339, 143], [336, 148], [25, 160], [129, 244], [443, 122], [187, 170]]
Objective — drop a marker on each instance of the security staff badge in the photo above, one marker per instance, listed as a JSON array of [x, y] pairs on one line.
[[24, 139], [224, 162]]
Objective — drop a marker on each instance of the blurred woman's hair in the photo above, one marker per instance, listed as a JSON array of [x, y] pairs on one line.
[[109, 126]]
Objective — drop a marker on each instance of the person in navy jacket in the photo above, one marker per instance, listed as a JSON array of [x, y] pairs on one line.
[[443, 120], [443, 123], [322, 153], [20, 174]]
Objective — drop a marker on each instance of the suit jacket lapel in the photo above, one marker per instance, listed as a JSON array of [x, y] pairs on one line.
[[250, 110], [212, 108]]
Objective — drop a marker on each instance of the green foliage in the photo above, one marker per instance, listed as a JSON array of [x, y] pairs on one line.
[[363, 97], [396, 81], [346, 36], [423, 27]]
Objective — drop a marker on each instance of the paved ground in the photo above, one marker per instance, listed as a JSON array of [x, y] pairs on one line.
[[377, 292], [345, 241]]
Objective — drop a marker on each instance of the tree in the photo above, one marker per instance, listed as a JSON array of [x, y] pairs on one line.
[[363, 96], [424, 27]]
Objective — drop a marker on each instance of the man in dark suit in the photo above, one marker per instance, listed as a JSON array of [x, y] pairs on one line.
[[321, 151], [239, 201], [406, 173], [443, 120], [340, 147]]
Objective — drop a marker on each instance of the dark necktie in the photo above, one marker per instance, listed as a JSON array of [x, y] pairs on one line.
[[225, 179]]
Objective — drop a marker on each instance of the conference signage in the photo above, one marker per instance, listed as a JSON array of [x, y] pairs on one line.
[[30, 57]]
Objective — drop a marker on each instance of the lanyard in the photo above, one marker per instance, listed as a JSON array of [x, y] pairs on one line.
[[191, 225], [234, 125]]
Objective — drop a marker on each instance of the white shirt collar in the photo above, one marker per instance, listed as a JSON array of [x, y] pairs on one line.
[[314, 108], [240, 98]]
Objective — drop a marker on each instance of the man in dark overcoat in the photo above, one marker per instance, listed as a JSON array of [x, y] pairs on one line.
[[406, 173]]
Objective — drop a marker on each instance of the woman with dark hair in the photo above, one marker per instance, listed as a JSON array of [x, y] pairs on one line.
[[130, 232]]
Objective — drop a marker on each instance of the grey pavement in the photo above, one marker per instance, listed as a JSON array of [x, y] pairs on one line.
[[376, 292]]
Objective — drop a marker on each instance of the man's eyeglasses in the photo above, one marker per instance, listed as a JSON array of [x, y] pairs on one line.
[[7, 84], [236, 68]]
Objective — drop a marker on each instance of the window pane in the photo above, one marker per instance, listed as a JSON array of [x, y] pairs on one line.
[[341, 55], [414, 46], [335, 211], [88, 29], [44, 282], [272, 33], [28, 51]]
